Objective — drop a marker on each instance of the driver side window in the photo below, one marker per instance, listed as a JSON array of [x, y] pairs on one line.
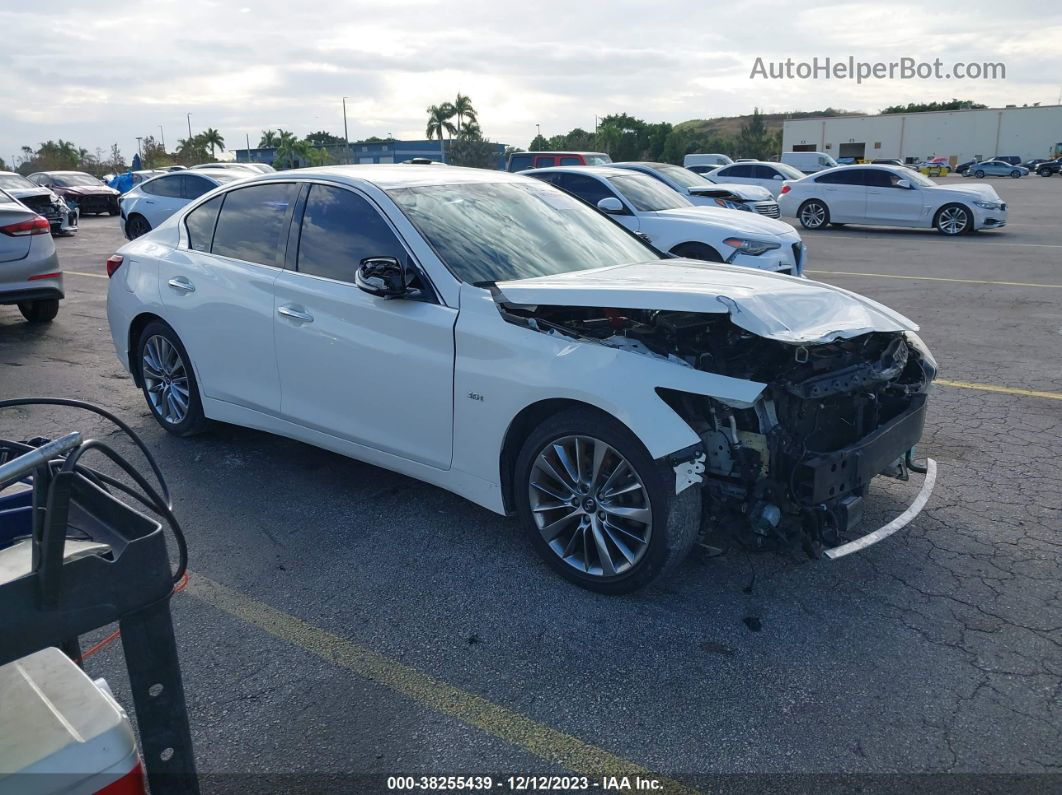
[[339, 230]]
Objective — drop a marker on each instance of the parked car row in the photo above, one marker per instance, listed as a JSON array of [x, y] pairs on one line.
[[517, 339], [82, 191], [62, 218]]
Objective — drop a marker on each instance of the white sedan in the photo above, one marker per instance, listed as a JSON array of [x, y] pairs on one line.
[[672, 223], [494, 336], [704, 193], [145, 206], [891, 196], [757, 172]]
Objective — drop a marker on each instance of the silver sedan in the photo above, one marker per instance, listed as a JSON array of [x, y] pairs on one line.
[[30, 275], [995, 168]]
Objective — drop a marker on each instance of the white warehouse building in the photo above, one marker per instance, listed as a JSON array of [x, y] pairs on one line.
[[959, 135]]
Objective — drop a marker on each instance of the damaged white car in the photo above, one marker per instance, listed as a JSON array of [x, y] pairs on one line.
[[492, 335]]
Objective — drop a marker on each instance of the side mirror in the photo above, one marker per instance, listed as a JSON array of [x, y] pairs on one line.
[[383, 277], [904, 183], [610, 205], [777, 176]]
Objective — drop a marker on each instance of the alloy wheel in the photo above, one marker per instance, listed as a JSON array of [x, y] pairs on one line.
[[590, 506], [165, 380], [952, 221], [813, 215]]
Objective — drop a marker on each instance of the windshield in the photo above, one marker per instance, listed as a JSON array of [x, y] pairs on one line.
[[788, 171], [15, 182], [683, 176], [647, 194], [75, 180], [488, 232], [918, 179], [598, 160]]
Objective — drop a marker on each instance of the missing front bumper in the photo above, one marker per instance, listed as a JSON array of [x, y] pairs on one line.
[[896, 524]]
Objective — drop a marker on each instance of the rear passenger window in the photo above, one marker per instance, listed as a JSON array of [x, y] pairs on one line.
[[545, 162], [339, 230], [843, 176], [519, 162], [253, 221], [163, 186], [200, 224], [737, 171], [571, 161]]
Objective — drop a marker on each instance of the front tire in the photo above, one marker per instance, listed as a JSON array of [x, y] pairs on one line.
[[979, 174], [953, 219], [168, 381], [596, 506], [43, 311], [813, 214], [1043, 172]]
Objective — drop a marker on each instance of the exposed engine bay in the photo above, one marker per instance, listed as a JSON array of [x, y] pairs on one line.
[[794, 467]]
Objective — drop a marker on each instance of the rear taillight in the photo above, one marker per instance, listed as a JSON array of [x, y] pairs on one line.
[[785, 189], [114, 262], [132, 783], [34, 226]]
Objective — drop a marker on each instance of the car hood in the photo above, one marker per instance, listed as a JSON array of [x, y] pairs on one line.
[[739, 223], [979, 190], [26, 193], [752, 193], [784, 308]]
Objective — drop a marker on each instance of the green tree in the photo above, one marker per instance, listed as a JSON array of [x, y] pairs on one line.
[[462, 107], [293, 152], [755, 140], [153, 155], [539, 144], [191, 151], [268, 140], [439, 121], [212, 138], [469, 148], [323, 138], [924, 107]]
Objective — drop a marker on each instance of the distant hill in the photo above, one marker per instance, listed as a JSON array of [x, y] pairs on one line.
[[731, 125]]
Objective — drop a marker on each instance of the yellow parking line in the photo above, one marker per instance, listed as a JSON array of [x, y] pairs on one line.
[[543, 741], [1006, 390], [934, 279], [93, 275]]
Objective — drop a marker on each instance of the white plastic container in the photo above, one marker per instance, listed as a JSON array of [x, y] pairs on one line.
[[61, 733]]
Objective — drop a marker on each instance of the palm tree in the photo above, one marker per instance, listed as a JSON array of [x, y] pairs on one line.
[[463, 109], [439, 122], [268, 140], [211, 137]]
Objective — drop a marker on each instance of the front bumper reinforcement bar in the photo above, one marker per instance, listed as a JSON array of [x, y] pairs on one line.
[[899, 522]]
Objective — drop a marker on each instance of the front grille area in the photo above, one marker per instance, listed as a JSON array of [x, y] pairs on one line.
[[42, 205], [95, 204], [770, 210]]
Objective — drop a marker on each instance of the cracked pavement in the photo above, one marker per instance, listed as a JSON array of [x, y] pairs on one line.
[[938, 650]]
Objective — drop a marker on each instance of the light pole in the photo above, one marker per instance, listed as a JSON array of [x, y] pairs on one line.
[[163, 132], [189, 116], [538, 128], [139, 138], [346, 138]]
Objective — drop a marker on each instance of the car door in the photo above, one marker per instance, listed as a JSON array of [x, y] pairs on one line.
[[370, 370], [739, 172], [218, 291], [161, 199], [768, 177], [592, 190], [889, 203], [844, 193]]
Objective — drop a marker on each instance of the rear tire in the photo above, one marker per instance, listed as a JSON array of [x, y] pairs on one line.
[[136, 225], [699, 251], [168, 381], [1015, 174], [813, 214], [1043, 172], [979, 174], [43, 311], [633, 514]]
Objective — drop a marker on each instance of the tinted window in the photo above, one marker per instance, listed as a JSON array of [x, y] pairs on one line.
[[192, 187], [571, 161], [845, 176], [519, 162], [763, 172], [736, 171], [200, 224], [545, 162], [876, 178], [587, 188], [647, 194], [253, 221], [163, 186], [339, 230]]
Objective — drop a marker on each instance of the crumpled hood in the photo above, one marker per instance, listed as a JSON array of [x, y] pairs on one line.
[[29, 193], [750, 224], [770, 305], [752, 193], [979, 190]]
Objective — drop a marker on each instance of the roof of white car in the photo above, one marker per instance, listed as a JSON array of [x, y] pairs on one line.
[[597, 171], [395, 175]]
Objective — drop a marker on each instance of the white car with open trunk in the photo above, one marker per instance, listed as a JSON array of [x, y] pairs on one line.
[[491, 334]]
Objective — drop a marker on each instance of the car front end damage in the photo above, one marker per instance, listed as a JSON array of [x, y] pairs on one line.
[[793, 468]]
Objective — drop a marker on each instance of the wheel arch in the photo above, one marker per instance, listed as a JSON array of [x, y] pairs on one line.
[[136, 328]]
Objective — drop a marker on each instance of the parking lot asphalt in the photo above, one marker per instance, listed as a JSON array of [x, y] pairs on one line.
[[345, 619]]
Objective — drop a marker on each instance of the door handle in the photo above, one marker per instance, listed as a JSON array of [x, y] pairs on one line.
[[182, 284], [149, 201], [294, 313]]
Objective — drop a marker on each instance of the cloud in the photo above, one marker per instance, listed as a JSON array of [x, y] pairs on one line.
[[111, 70]]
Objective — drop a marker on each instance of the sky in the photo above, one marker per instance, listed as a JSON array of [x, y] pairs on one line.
[[103, 72]]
